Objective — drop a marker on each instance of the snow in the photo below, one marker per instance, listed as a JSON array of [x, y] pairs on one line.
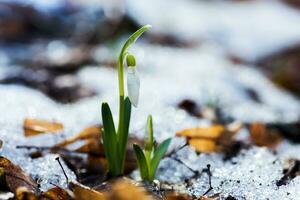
[[250, 30], [164, 83], [168, 75]]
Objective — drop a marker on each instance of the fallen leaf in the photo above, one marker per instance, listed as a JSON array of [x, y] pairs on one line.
[[262, 136], [175, 196], [206, 198], [22, 193], [92, 146], [211, 139], [92, 132], [291, 170], [56, 193], [125, 190], [15, 177], [34, 127], [211, 132], [203, 145], [82, 192]]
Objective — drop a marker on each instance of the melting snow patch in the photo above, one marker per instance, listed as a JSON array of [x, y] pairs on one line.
[[245, 29], [168, 75]]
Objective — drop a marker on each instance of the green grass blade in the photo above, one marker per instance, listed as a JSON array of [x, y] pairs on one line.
[[110, 139], [149, 135], [158, 155], [141, 160], [123, 134]]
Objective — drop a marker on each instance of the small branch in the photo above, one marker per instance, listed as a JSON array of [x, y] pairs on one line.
[[179, 161], [209, 179], [67, 179], [174, 151], [28, 147]]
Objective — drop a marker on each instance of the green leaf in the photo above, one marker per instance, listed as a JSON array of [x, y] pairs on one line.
[[110, 139], [123, 135], [141, 160], [132, 39], [158, 155], [149, 135]]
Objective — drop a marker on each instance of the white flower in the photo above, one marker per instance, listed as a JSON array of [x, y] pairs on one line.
[[133, 85]]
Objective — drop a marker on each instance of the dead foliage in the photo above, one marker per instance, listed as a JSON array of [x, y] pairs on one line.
[[292, 169], [262, 136], [210, 139], [34, 127], [13, 177]]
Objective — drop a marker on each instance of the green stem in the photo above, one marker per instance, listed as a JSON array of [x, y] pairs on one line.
[[122, 134], [121, 107]]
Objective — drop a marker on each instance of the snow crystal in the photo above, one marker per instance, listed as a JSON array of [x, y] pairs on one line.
[[246, 29], [250, 175]]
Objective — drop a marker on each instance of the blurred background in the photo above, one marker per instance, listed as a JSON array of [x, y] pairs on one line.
[[44, 43]]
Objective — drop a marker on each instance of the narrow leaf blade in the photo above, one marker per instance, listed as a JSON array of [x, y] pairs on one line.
[[158, 155], [141, 160], [109, 139], [149, 135], [123, 134]]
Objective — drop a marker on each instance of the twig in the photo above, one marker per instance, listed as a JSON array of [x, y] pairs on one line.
[[174, 151], [209, 179], [67, 179], [181, 162], [32, 147]]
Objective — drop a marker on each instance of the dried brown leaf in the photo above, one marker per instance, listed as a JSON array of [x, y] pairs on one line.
[[82, 192], [56, 193], [34, 127], [15, 177], [175, 196], [92, 132], [262, 136], [211, 132], [125, 190], [203, 145], [211, 139], [22, 193]]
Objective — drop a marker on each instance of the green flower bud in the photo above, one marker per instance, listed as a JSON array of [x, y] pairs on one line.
[[130, 60]]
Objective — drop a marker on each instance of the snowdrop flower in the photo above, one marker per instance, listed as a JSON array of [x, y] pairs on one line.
[[133, 85], [133, 81]]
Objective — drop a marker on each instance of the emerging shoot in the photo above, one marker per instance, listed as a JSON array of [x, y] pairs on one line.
[[149, 158], [115, 141]]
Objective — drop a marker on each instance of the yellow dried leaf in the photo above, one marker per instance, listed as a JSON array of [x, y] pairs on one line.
[[82, 192], [174, 196], [125, 190], [211, 139], [203, 145], [212, 132], [56, 193], [22, 193], [93, 132], [36, 126]]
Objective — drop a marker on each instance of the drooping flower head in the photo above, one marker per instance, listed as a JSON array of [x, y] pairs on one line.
[[133, 81]]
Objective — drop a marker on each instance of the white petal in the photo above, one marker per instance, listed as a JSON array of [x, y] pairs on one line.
[[133, 86]]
